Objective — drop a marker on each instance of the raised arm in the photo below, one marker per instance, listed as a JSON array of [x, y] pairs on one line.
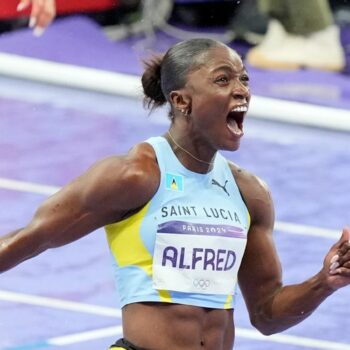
[[273, 307], [104, 194]]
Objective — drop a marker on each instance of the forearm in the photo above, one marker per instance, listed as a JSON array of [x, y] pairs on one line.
[[291, 305], [16, 247]]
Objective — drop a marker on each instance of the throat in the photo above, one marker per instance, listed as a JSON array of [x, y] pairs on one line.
[[192, 156]]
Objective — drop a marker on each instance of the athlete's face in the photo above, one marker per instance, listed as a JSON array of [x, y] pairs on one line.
[[219, 98]]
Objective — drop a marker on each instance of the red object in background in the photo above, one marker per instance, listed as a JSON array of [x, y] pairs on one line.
[[8, 7]]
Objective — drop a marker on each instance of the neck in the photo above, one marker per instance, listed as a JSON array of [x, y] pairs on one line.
[[201, 164]]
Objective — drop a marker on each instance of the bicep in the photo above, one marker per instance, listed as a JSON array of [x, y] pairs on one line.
[[99, 197]]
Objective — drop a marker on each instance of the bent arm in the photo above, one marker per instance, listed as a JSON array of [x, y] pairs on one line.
[[103, 195], [273, 307]]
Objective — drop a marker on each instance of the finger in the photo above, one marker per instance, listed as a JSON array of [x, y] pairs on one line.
[[44, 19], [38, 31], [23, 5], [344, 259], [334, 259], [344, 249], [346, 233], [45, 16], [342, 271], [41, 24], [38, 7], [333, 267], [345, 237], [341, 247]]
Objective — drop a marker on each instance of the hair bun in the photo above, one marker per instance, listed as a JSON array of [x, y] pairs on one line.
[[151, 83]]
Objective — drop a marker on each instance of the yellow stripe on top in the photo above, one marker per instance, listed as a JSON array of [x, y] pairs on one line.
[[249, 219], [228, 303], [127, 247]]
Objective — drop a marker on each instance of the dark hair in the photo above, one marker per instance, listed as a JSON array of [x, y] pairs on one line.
[[167, 73]]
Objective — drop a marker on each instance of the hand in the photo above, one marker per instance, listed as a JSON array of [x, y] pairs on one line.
[[337, 262], [41, 15]]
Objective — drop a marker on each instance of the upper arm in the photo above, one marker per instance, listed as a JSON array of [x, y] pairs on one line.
[[260, 275], [104, 194]]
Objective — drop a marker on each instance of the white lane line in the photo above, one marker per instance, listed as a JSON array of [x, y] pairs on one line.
[[292, 340], [70, 339], [30, 187], [130, 86], [240, 332], [299, 113], [70, 75], [59, 304], [85, 336], [307, 230], [112, 331], [279, 225]]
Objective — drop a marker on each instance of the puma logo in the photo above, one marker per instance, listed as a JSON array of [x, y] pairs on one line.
[[214, 182]]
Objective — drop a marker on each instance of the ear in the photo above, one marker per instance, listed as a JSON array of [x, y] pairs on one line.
[[180, 100]]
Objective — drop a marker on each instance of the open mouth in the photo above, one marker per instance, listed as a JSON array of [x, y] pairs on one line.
[[235, 119]]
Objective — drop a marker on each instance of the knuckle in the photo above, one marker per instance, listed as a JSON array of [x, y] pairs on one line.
[[342, 251]]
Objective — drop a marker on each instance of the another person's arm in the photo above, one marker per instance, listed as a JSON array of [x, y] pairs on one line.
[[42, 13], [273, 307], [104, 194]]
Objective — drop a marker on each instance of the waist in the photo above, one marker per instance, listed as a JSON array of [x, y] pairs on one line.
[[158, 326]]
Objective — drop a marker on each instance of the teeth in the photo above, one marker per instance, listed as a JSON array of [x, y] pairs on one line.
[[240, 109]]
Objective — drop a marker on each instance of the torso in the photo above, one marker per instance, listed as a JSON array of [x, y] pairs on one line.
[[160, 326], [154, 326]]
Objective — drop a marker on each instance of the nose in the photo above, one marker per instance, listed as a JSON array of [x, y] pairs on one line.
[[241, 92]]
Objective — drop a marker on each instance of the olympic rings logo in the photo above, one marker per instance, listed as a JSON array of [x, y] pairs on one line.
[[201, 283]]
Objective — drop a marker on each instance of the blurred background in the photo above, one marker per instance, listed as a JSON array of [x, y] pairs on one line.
[[296, 50], [71, 94]]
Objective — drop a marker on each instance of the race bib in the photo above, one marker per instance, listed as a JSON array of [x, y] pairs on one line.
[[197, 258]]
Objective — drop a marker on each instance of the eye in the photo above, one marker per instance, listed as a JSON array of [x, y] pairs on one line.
[[222, 79], [244, 79]]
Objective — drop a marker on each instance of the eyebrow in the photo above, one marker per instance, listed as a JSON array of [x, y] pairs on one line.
[[228, 68]]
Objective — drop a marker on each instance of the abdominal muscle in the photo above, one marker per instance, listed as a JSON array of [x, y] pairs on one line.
[[161, 326]]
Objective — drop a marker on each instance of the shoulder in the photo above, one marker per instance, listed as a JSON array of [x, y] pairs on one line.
[[256, 195], [138, 165], [125, 182], [134, 165]]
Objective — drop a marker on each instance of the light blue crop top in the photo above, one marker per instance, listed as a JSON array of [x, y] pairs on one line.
[[186, 244]]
